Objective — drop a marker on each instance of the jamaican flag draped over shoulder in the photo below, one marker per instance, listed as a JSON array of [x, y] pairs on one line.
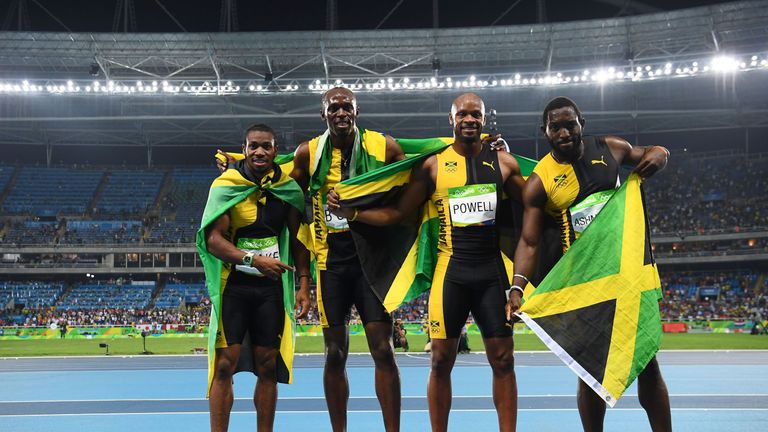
[[597, 309], [227, 190], [399, 260]]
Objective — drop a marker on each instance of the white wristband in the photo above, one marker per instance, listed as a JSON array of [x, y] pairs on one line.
[[515, 288], [522, 277]]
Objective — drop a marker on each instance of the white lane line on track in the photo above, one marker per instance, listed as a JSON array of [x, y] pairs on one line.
[[325, 413], [534, 396]]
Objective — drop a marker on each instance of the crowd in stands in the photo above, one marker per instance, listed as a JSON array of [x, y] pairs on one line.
[[192, 315], [688, 296], [730, 247], [695, 195], [695, 296]]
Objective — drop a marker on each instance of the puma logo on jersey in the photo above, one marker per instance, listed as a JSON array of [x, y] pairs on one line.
[[599, 162], [490, 164]]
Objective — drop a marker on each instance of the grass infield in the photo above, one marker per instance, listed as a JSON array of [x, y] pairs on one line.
[[357, 343]]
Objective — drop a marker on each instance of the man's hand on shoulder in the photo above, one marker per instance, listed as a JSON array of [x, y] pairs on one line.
[[223, 160], [497, 143]]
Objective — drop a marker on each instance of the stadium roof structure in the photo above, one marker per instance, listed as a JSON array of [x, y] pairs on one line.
[[696, 69]]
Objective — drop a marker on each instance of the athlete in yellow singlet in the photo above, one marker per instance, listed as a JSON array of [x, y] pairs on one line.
[[341, 282], [465, 182], [246, 238], [570, 185]]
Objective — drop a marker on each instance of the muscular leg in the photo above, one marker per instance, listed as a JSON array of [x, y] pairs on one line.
[[335, 381], [265, 394], [221, 397], [439, 387], [500, 352], [379, 335], [591, 408], [654, 398]]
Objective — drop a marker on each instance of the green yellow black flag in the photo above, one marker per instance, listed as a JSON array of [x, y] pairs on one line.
[[597, 309]]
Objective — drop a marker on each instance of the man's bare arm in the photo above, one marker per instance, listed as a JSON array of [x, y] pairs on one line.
[[300, 171], [301, 260], [510, 169], [526, 254], [415, 193], [646, 160], [218, 245], [394, 151]]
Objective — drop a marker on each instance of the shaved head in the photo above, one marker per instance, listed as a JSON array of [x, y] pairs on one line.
[[467, 118], [328, 95], [464, 98], [340, 112]]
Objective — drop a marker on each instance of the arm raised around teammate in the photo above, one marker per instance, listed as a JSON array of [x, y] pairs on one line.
[[647, 161], [225, 161], [534, 198], [415, 193], [513, 179], [300, 171], [223, 249]]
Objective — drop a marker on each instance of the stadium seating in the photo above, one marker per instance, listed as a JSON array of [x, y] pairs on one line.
[[184, 206], [102, 232], [6, 172], [174, 294], [113, 296], [703, 295], [31, 232], [128, 192], [32, 295], [709, 194], [52, 191]]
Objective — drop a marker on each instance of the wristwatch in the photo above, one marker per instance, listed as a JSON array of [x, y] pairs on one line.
[[248, 259]]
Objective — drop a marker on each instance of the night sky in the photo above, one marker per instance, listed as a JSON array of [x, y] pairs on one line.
[[260, 15]]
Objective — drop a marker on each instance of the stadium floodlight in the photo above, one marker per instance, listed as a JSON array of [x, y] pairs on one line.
[[724, 64], [609, 73]]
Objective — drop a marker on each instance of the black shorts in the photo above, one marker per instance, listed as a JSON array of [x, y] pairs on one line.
[[341, 286], [459, 288], [256, 310]]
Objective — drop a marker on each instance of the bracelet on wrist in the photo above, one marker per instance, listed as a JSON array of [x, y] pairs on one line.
[[354, 216], [517, 288], [521, 277]]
